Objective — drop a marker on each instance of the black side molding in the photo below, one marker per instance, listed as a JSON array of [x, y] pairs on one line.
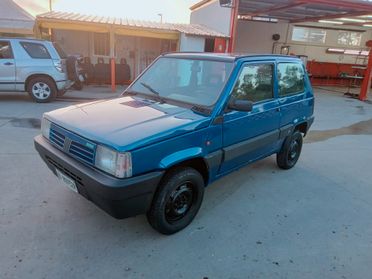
[[247, 146]]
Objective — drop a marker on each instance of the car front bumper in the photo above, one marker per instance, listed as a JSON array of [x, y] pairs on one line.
[[121, 198]]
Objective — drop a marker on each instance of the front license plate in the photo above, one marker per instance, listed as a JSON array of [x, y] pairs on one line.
[[67, 180]]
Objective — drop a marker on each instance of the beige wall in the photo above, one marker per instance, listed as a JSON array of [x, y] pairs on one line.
[[73, 42], [256, 37]]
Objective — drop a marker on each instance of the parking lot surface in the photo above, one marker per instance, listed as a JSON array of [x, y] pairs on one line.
[[313, 221]]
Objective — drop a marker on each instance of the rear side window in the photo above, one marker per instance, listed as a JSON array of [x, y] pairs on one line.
[[5, 50], [291, 79], [255, 83], [36, 50]]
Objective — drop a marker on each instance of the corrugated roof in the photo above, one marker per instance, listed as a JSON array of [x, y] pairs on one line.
[[189, 29], [13, 18]]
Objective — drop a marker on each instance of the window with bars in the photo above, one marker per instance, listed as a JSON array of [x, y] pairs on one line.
[[309, 35], [101, 44], [349, 38]]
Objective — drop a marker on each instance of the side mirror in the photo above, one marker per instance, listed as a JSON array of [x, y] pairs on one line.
[[240, 105]]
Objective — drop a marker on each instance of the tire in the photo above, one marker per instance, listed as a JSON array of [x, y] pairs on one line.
[[177, 200], [42, 89], [290, 152], [72, 68]]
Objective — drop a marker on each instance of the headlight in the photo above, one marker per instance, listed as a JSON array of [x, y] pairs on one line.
[[45, 127], [113, 162]]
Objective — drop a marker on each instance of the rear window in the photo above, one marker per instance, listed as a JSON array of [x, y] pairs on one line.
[[36, 50]]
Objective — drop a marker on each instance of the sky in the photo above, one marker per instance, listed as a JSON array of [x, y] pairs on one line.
[[173, 10]]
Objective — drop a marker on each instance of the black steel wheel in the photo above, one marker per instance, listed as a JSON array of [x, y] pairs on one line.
[[177, 200], [290, 152]]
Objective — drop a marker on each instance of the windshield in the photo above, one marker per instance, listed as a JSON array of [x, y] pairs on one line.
[[198, 82]]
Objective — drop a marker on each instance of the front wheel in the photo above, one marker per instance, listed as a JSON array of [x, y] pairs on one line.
[[290, 152], [177, 201]]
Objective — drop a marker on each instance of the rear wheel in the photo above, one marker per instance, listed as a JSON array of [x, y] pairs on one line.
[[290, 152], [42, 89], [177, 201]]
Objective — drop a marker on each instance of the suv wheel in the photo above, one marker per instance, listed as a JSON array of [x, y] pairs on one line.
[[290, 152], [42, 89], [177, 201]]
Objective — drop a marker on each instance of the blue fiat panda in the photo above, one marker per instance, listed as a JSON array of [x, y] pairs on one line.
[[186, 121]]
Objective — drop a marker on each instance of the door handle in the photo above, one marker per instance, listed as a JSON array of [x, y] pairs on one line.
[[8, 64]]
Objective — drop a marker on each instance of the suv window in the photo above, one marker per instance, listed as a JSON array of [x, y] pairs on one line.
[[255, 83], [5, 51], [36, 50], [290, 78]]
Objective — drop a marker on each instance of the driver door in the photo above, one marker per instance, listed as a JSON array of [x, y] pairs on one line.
[[7, 67], [248, 136]]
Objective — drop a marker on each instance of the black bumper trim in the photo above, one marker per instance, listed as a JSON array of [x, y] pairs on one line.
[[121, 198]]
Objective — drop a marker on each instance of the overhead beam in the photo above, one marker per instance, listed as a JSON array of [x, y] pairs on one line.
[[330, 16], [276, 8], [342, 4]]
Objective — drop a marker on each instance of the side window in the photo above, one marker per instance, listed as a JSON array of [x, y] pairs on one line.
[[255, 83], [290, 79], [5, 50], [36, 50]]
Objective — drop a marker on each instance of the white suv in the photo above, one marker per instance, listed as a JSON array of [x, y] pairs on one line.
[[35, 66]]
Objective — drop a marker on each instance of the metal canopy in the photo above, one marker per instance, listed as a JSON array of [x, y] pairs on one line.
[[76, 21], [350, 12]]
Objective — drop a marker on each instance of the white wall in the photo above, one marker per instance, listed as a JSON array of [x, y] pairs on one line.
[[256, 37], [212, 16], [191, 43]]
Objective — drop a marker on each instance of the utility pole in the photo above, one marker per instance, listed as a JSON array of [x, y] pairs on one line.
[[161, 18], [50, 5]]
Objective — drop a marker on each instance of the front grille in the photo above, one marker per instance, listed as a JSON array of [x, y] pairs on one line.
[[57, 138], [82, 152], [72, 144]]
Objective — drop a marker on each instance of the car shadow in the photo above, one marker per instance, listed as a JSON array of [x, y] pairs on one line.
[[137, 229], [16, 96]]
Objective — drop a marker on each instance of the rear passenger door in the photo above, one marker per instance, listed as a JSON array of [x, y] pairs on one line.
[[292, 93], [7, 67], [248, 136]]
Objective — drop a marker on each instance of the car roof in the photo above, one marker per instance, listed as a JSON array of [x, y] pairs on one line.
[[228, 57], [22, 39]]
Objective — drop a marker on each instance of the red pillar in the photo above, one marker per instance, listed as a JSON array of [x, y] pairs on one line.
[[366, 85], [113, 81], [233, 23]]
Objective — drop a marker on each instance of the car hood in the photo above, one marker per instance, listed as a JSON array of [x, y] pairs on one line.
[[127, 123]]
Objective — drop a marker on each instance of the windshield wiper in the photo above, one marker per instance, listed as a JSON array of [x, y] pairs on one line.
[[201, 109], [152, 90]]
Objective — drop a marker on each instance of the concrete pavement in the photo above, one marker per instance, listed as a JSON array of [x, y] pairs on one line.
[[313, 221]]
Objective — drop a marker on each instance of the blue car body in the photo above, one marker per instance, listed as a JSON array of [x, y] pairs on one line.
[[160, 136]]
